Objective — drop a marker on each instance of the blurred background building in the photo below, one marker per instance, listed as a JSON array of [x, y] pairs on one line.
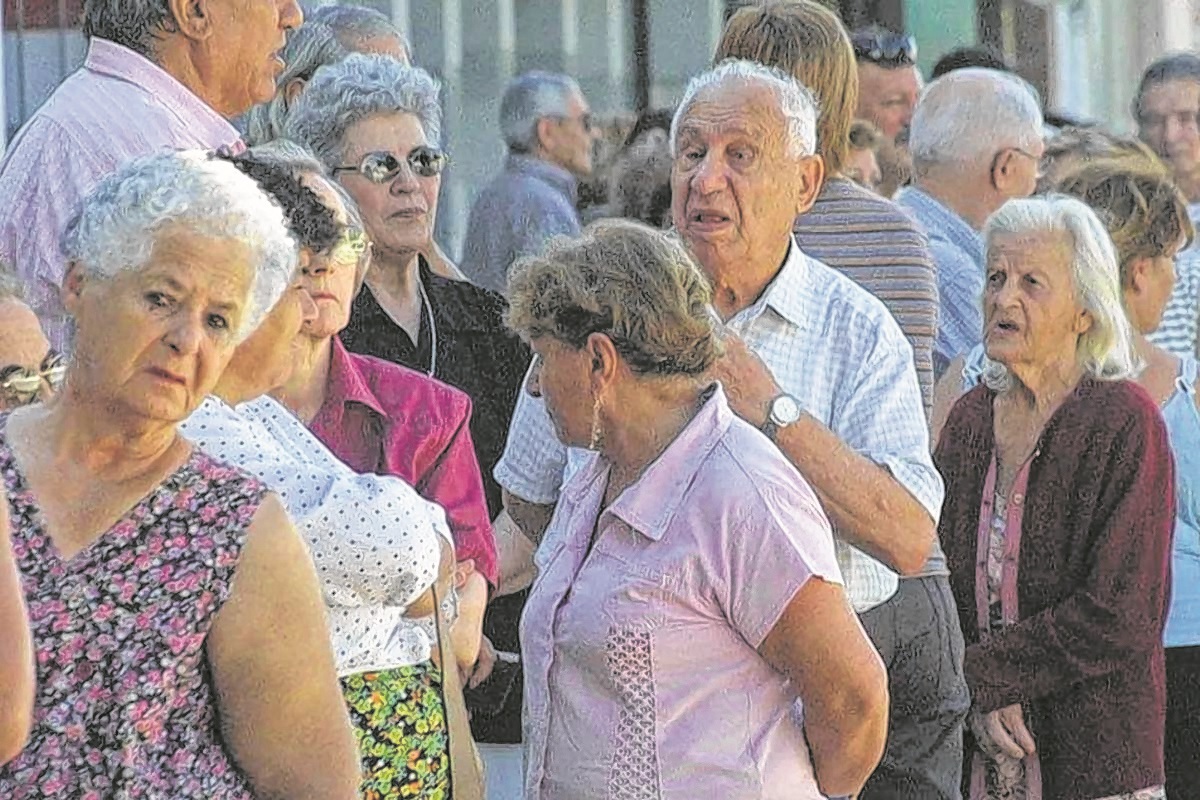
[[1085, 56]]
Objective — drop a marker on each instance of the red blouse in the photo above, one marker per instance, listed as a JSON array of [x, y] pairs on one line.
[[390, 420]]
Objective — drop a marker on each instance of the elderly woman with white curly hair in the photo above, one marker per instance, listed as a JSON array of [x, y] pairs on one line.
[[375, 124], [180, 639], [1057, 522]]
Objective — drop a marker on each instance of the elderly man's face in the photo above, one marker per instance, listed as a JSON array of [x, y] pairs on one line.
[[1032, 317], [1169, 125], [888, 96], [735, 188], [568, 139], [243, 60], [399, 214], [27, 371], [153, 341]]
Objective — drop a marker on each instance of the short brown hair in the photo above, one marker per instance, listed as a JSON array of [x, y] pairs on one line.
[[636, 285], [808, 41], [1137, 200], [1072, 145]]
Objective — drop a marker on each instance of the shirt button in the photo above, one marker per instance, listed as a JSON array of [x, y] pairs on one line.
[[1018, 497]]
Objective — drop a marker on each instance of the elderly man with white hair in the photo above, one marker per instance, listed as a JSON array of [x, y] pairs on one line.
[[158, 76], [976, 142], [547, 127], [823, 369]]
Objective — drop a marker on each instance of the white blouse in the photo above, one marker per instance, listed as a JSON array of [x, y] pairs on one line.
[[373, 539]]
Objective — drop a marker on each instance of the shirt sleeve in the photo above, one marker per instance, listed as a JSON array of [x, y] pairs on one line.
[[456, 484], [373, 539], [1119, 610], [534, 459], [781, 540], [883, 419], [46, 175], [960, 308]]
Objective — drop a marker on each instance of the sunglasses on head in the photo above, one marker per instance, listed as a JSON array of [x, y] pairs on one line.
[[22, 386], [425, 162], [885, 48]]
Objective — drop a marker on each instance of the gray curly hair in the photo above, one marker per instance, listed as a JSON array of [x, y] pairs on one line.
[[358, 87], [120, 220]]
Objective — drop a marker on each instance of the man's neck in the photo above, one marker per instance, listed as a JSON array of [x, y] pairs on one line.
[[176, 61], [739, 281], [964, 196]]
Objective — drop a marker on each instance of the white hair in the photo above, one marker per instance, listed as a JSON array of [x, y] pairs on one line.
[[309, 47], [1107, 350], [529, 98], [967, 115], [358, 87], [796, 102], [119, 222]]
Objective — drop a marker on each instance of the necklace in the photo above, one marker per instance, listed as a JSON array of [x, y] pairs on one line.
[[432, 328]]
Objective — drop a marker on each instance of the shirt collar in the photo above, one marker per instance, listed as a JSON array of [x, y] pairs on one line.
[[944, 220], [106, 57], [650, 504], [787, 293], [347, 384], [546, 172]]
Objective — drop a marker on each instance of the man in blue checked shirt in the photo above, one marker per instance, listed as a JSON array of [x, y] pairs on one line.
[[976, 142]]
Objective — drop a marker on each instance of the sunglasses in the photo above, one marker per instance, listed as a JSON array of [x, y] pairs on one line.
[[425, 162], [349, 248], [885, 48], [20, 386]]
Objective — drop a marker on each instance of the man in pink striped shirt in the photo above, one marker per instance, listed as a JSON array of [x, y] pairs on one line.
[[158, 75]]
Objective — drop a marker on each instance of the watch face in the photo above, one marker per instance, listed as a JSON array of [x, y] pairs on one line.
[[785, 410]]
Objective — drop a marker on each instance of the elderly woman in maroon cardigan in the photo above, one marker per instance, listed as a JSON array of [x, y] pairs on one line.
[[1057, 523]]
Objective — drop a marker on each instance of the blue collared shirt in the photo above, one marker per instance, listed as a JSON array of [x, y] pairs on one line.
[[516, 213], [958, 252]]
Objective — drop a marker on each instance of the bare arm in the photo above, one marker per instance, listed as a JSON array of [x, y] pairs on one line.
[[282, 712], [841, 680], [17, 676], [515, 551], [945, 395], [867, 506], [532, 518]]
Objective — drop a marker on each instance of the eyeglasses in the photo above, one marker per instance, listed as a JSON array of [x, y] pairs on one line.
[[885, 48], [20, 386], [349, 248], [425, 162], [1037, 162]]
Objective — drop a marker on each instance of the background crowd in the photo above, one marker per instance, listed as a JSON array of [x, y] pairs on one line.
[[829, 434]]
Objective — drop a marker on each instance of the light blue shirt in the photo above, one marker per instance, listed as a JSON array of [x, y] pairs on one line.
[[516, 213], [960, 257], [1179, 331]]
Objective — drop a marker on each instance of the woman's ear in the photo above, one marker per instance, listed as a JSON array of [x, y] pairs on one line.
[[72, 289], [292, 90], [603, 357], [1137, 273]]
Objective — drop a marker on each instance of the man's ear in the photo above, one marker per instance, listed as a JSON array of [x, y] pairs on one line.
[[71, 292], [542, 131], [810, 178], [193, 18]]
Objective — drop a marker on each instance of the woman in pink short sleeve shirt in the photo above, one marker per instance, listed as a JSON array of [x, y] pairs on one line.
[[688, 595]]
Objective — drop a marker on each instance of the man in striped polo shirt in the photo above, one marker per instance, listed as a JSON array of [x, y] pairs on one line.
[[862, 235], [1167, 109]]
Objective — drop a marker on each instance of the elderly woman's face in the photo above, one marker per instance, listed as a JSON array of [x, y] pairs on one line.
[[267, 359], [153, 341], [1031, 314], [29, 370], [399, 213], [560, 376], [330, 278]]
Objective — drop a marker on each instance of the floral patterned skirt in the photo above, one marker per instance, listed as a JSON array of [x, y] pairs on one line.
[[400, 724]]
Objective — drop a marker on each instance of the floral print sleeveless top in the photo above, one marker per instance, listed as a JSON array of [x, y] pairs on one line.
[[125, 706]]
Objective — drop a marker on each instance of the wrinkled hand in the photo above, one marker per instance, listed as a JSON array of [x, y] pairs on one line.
[[1003, 732], [484, 665], [747, 381]]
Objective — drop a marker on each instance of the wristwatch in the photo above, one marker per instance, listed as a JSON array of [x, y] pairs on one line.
[[785, 410]]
